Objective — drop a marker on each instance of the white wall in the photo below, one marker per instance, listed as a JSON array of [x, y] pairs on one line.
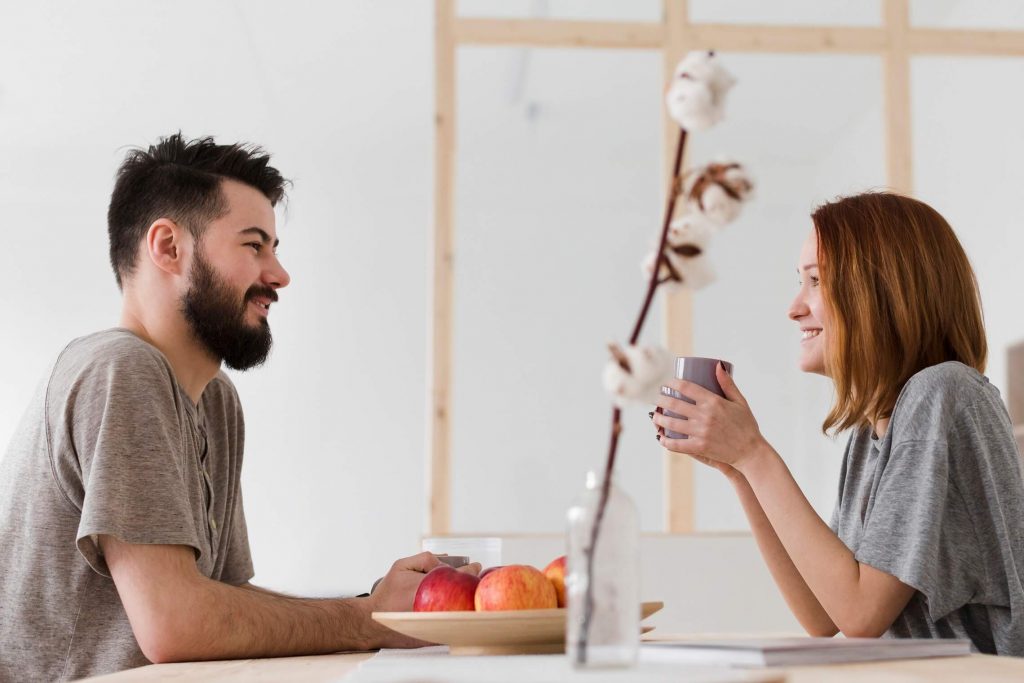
[[341, 93]]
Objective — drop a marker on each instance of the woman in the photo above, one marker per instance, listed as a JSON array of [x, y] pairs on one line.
[[927, 537]]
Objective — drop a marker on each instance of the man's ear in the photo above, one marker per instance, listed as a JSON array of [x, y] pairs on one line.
[[166, 246]]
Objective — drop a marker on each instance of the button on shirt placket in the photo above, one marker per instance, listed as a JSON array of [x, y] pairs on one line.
[[207, 487]]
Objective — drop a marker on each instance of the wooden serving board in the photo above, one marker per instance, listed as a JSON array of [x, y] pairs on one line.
[[537, 631]]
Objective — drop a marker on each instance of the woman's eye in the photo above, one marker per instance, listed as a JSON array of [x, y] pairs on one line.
[[814, 281]]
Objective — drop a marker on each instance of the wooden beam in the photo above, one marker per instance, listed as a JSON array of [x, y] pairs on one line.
[[677, 307], [558, 33], [439, 453], [966, 43], [639, 35], [815, 39], [734, 37], [898, 143]]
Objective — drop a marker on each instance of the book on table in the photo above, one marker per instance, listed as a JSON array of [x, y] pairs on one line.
[[758, 652]]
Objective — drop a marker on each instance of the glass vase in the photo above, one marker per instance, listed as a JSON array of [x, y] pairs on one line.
[[612, 636]]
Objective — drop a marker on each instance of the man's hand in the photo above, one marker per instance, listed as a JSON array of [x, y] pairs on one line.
[[397, 589]]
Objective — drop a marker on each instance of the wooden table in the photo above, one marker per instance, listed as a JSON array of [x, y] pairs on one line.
[[325, 668]]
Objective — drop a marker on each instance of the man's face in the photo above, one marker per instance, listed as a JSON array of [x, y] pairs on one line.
[[233, 280]]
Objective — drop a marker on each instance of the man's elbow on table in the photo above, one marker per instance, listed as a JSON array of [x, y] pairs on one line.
[[168, 635], [163, 595]]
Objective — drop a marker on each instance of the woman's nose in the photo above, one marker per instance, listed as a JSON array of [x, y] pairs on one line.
[[798, 308]]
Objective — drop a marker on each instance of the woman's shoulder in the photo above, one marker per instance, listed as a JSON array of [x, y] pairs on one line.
[[951, 378], [934, 397]]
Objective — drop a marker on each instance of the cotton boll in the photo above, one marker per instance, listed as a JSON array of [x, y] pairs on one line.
[[649, 369], [688, 239], [718, 205], [696, 96], [686, 264], [648, 265], [690, 228], [691, 104], [696, 271], [736, 176], [718, 190]]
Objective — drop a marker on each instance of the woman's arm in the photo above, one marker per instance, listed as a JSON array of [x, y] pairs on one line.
[[808, 611], [858, 599], [801, 600], [861, 600]]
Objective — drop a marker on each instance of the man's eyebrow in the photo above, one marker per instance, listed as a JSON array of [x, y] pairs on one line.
[[262, 233]]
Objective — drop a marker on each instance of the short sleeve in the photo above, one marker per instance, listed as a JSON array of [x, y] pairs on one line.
[[917, 528], [837, 509], [238, 567], [122, 418]]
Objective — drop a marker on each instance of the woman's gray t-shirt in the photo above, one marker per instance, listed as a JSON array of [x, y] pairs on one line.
[[938, 502]]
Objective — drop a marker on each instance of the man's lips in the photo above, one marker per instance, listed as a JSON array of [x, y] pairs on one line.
[[262, 304]]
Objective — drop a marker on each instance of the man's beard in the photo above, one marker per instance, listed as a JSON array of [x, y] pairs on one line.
[[217, 318]]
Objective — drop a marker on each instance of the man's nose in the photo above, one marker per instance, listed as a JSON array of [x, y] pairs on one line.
[[277, 277]]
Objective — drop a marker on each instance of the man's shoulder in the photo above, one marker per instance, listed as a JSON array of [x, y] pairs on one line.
[[116, 352]]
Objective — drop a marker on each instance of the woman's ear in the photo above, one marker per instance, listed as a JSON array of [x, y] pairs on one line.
[[165, 242]]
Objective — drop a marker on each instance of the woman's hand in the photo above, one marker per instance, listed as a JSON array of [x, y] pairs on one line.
[[722, 431], [730, 472]]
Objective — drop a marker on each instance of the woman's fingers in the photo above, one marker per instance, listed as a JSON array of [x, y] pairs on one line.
[[690, 446], [672, 424], [676, 405], [694, 392], [729, 387]]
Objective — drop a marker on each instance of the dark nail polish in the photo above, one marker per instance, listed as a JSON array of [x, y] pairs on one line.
[[651, 414]]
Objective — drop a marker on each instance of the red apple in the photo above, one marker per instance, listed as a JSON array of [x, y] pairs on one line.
[[555, 571], [515, 586], [489, 570], [445, 589]]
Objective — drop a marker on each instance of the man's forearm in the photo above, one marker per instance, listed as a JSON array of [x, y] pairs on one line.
[[801, 600], [227, 622], [177, 614]]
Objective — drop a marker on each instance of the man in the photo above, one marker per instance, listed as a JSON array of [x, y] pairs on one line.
[[122, 534]]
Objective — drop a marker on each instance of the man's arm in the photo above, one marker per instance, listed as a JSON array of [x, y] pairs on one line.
[[177, 614]]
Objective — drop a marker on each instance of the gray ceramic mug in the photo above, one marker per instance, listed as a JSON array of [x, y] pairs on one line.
[[699, 371]]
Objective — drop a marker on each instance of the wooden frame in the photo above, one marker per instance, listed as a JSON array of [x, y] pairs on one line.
[[895, 41]]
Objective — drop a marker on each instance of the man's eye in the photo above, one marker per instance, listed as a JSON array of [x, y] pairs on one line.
[[255, 245]]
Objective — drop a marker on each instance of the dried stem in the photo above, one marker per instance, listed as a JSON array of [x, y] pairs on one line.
[[591, 550]]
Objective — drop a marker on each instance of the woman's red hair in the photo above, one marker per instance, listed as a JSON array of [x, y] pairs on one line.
[[901, 295]]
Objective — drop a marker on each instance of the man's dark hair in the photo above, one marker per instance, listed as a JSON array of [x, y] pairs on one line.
[[180, 179]]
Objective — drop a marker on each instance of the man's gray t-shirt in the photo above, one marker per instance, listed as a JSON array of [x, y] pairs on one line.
[[938, 502], [110, 444]]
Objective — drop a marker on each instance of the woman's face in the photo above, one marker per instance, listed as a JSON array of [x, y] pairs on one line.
[[808, 309]]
